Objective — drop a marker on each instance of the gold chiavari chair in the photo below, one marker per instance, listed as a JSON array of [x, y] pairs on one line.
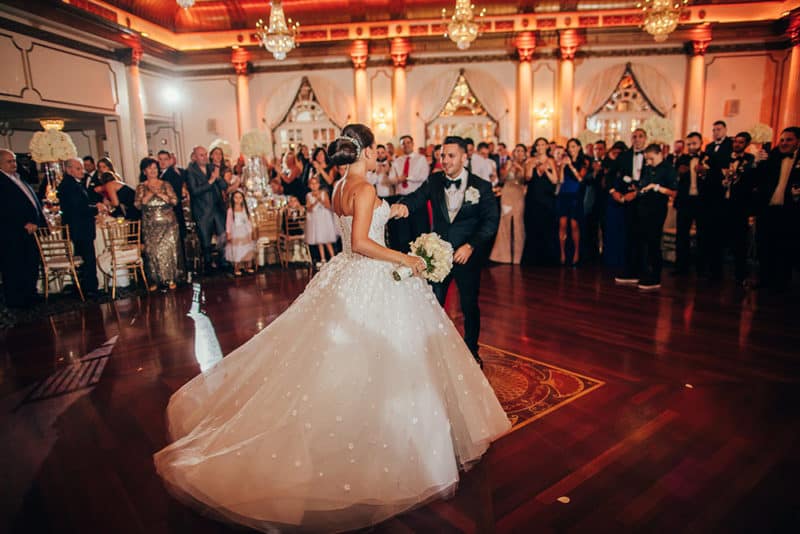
[[124, 240], [267, 230], [292, 245], [55, 249]]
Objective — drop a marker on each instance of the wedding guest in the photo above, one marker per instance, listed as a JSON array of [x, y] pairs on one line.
[[481, 165], [658, 183], [321, 169], [78, 212], [408, 172], [628, 170], [216, 158], [205, 186], [119, 197], [276, 186], [501, 157], [21, 214], [380, 176], [177, 180], [156, 199], [678, 149], [541, 223], [614, 213], [390, 152], [104, 165], [320, 222], [778, 210], [719, 157], [510, 240], [574, 166], [737, 204], [689, 206], [91, 179], [291, 176], [240, 246], [594, 202], [436, 163]]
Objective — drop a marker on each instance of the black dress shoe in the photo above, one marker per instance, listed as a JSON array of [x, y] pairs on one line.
[[479, 360]]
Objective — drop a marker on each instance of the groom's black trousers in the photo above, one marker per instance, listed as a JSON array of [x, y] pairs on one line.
[[468, 280]]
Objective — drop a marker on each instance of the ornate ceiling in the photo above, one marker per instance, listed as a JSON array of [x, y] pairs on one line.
[[218, 15]]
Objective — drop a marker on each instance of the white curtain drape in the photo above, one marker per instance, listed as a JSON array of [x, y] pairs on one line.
[[280, 101], [488, 92], [336, 105], [655, 86], [433, 98], [601, 88]]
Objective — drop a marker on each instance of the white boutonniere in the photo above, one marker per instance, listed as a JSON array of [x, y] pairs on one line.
[[627, 179], [472, 195]]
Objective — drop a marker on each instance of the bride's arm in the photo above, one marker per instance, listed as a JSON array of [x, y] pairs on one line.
[[364, 205]]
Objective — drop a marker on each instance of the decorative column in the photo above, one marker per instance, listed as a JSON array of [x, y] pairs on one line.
[[526, 46], [359, 53], [695, 97], [399, 51], [241, 63], [138, 131], [568, 42], [790, 113]]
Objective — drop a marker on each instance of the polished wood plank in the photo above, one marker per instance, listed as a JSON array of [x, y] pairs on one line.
[[695, 429]]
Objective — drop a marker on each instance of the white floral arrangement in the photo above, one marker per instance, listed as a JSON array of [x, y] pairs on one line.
[[52, 145], [255, 143], [438, 256], [659, 130], [223, 144], [761, 133], [472, 195], [467, 130], [588, 137]]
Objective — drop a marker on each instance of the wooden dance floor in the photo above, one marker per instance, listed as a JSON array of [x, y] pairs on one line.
[[685, 414]]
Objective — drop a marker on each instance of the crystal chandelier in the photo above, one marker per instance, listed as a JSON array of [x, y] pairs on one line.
[[463, 29], [278, 38], [661, 16], [186, 4]]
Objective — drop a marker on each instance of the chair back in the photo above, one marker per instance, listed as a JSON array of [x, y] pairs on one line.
[[123, 238], [267, 223], [54, 245], [294, 222]]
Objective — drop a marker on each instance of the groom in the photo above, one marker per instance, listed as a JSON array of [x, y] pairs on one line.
[[465, 214]]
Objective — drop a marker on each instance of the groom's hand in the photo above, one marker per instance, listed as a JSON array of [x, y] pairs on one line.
[[398, 211], [463, 254]]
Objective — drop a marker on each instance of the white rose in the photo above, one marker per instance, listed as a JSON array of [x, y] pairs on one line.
[[472, 195]]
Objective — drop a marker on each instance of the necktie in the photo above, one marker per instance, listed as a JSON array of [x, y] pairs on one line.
[[453, 183], [406, 166]]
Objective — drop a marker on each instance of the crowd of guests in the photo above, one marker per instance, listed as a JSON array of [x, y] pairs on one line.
[[560, 205]]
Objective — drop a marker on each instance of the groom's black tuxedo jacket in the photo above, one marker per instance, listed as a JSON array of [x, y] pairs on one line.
[[476, 223]]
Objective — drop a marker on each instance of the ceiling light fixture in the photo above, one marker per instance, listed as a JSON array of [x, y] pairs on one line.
[[463, 29], [278, 37], [661, 16]]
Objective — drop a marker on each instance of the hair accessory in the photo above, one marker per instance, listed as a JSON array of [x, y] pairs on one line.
[[355, 142]]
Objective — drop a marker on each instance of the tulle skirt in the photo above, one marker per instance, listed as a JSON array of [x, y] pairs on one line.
[[357, 403]]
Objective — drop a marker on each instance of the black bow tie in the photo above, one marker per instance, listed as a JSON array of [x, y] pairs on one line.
[[451, 183], [638, 153]]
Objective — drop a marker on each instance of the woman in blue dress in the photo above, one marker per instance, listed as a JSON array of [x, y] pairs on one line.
[[574, 165]]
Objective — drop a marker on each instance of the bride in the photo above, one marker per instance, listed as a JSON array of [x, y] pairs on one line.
[[359, 402]]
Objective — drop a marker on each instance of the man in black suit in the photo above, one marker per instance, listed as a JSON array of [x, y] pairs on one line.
[[78, 212], [737, 203], [172, 175], [624, 189], [91, 180], [20, 215], [689, 205], [777, 200], [719, 157], [208, 208], [465, 214]]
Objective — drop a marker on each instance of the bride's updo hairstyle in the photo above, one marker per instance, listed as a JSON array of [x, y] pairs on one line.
[[347, 148]]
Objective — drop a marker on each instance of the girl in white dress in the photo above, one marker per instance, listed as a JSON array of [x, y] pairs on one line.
[[359, 402], [320, 223], [240, 245]]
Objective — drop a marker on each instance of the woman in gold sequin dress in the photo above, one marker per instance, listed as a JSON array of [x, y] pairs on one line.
[[156, 199]]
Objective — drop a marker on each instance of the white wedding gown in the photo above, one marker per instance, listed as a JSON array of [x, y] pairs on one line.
[[359, 402]]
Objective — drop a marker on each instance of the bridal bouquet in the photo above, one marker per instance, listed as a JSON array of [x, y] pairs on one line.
[[438, 256]]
